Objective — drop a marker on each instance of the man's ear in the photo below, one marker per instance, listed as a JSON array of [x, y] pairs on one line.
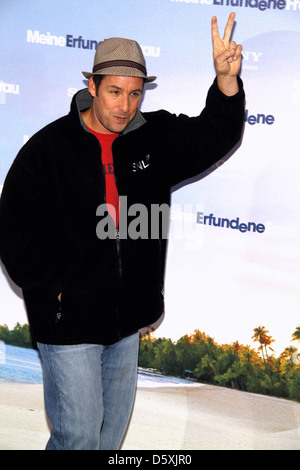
[[92, 87]]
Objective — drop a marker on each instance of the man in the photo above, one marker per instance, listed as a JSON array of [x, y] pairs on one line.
[[87, 294]]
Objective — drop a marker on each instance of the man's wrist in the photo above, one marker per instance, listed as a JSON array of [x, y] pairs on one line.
[[228, 85]]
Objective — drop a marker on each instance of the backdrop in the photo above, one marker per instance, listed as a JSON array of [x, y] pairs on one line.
[[222, 280]]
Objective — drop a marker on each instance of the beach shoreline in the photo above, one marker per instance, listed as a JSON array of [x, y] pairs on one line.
[[203, 417]]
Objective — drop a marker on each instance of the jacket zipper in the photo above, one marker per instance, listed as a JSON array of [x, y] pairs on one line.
[[118, 240], [117, 237]]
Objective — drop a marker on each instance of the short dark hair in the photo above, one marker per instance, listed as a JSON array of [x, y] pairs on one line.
[[97, 80]]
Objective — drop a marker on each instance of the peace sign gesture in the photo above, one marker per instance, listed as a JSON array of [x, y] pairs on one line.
[[226, 54]]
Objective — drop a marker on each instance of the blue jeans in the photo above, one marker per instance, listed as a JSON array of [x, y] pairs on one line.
[[89, 393]]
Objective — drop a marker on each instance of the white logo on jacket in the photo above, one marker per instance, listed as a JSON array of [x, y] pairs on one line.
[[141, 165]]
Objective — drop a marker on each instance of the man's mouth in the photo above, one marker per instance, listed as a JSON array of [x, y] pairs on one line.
[[121, 118]]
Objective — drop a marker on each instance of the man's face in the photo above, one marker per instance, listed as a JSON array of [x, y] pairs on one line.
[[116, 102]]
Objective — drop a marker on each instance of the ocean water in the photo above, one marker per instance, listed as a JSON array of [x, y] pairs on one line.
[[24, 365], [20, 365]]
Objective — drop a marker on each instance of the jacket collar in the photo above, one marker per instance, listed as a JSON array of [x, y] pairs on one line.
[[83, 100]]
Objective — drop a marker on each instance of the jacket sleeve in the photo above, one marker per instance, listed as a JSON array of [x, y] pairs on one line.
[[197, 143], [23, 246]]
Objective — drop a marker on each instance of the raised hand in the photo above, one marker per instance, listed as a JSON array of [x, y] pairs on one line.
[[227, 55]]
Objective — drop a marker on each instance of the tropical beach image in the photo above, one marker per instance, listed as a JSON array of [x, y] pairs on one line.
[[192, 394]]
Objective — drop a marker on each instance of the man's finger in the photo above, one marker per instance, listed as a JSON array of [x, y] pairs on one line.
[[214, 28], [238, 51], [228, 28]]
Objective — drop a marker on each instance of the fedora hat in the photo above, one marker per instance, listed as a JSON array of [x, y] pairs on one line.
[[119, 56]]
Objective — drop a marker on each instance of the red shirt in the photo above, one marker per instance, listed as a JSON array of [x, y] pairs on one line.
[[112, 196]]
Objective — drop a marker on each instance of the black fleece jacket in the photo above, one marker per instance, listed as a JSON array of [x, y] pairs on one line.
[[48, 216]]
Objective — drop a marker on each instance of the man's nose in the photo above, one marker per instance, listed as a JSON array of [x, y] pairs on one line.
[[124, 104]]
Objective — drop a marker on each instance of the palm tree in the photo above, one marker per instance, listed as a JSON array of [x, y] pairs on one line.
[[288, 353], [197, 336], [292, 354], [296, 337], [296, 334], [250, 356], [261, 335]]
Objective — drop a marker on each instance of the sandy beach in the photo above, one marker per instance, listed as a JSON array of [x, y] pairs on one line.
[[200, 417]]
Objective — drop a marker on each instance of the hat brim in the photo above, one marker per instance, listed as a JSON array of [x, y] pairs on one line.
[[121, 71]]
